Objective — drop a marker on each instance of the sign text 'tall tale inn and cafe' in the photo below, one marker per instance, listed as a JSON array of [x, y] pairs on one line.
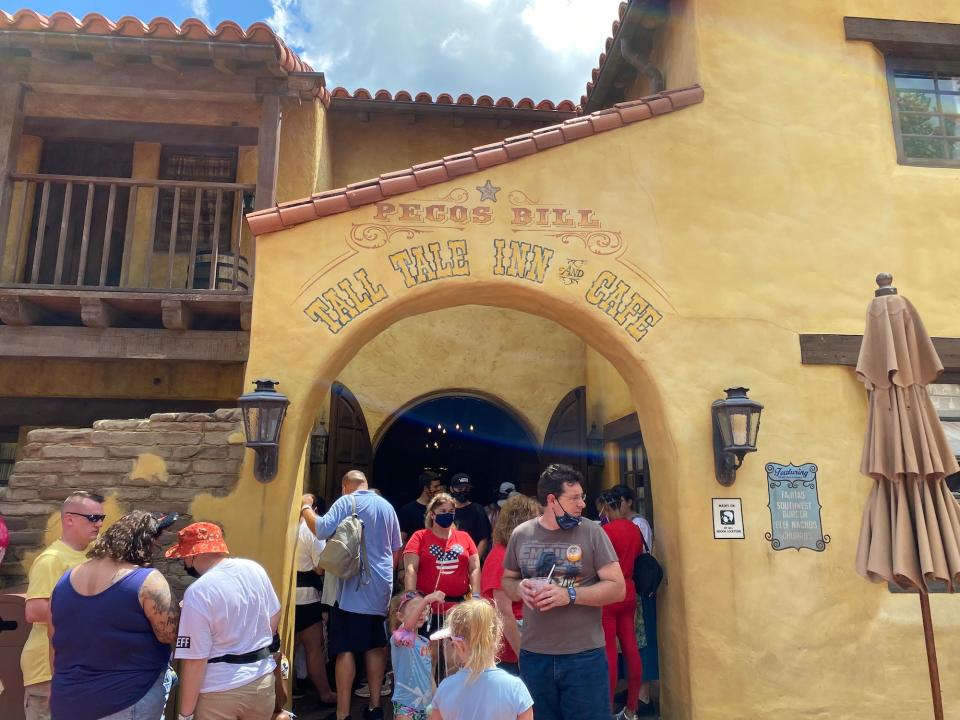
[[341, 302]]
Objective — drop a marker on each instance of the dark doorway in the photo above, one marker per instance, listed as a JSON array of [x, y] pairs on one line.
[[83, 159], [454, 434]]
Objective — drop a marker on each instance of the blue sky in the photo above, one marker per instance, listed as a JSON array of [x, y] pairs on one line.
[[535, 48]]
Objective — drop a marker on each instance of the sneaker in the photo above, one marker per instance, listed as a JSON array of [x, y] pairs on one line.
[[385, 689], [623, 715], [370, 713]]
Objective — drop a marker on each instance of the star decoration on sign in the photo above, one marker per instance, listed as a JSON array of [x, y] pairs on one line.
[[488, 191]]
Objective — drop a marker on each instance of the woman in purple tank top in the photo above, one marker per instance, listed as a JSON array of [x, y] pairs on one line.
[[113, 623]]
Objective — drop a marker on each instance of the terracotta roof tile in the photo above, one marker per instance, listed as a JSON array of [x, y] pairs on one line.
[[464, 100], [608, 46], [480, 158], [159, 28]]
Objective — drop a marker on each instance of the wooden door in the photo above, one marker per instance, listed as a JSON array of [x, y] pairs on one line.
[[566, 437], [86, 159], [349, 446]]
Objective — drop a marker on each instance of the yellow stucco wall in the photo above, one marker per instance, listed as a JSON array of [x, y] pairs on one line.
[[527, 362], [362, 150], [760, 214], [301, 146]]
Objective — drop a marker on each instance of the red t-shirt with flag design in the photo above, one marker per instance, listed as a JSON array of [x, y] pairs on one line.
[[444, 562]]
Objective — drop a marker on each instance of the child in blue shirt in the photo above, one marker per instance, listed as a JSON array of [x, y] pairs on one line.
[[479, 690], [410, 654]]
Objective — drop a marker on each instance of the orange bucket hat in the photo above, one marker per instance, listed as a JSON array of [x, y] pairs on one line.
[[197, 538]]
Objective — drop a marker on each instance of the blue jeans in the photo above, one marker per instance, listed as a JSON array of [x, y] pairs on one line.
[[567, 687], [151, 705]]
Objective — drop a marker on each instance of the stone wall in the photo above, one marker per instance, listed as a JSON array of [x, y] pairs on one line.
[[161, 463]]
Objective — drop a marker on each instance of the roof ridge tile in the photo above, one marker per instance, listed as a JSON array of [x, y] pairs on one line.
[[258, 33], [331, 202]]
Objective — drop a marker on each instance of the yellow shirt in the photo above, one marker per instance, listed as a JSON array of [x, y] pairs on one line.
[[46, 570]]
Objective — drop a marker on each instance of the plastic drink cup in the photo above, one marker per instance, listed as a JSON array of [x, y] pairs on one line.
[[537, 584]]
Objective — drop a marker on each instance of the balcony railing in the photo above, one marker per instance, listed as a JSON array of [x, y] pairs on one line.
[[120, 233]]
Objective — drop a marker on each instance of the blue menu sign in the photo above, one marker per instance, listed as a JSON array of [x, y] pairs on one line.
[[794, 508]]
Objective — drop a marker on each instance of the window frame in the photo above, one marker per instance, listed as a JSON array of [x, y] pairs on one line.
[[898, 63]]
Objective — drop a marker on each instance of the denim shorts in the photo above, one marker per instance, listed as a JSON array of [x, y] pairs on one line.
[[151, 705]]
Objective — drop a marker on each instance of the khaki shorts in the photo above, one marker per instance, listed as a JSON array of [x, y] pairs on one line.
[[253, 701], [36, 701]]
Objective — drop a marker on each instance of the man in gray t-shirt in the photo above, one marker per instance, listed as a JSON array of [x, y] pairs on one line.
[[562, 656]]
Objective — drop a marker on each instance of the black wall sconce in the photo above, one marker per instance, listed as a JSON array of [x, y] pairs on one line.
[[318, 443], [263, 413], [736, 422], [595, 447]]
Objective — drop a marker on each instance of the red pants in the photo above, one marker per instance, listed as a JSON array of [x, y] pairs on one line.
[[618, 625]]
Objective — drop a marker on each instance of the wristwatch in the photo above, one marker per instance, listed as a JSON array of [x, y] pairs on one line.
[[572, 592]]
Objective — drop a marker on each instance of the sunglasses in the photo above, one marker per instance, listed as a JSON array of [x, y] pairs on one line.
[[90, 518]]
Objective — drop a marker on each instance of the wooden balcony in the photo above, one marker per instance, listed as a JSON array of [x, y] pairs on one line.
[[98, 232], [102, 267]]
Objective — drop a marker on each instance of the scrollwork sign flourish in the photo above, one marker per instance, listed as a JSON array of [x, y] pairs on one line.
[[370, 236]]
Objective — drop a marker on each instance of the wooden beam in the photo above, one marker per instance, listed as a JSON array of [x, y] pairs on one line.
[[166, 63], [268, 153], [621, 428], [905, 37], [845, 349], [177, 315], [15, 310], [123, 344], [11, 130], [110, 59], [97, 313], [82, 412], [227, 67]]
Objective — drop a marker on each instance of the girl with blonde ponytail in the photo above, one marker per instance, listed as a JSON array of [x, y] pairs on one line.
[[479, 690]]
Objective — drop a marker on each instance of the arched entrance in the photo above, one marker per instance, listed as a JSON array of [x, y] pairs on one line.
[[327, 288], [453, 432]]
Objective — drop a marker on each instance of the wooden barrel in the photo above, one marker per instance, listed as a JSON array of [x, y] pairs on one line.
[[225, 267]]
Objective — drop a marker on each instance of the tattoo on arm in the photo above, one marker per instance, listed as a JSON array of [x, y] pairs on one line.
[[160, 608]]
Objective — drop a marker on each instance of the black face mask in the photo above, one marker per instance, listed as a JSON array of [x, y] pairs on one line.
[[461, 495], [567, 521], [444, 520], [191, 570]]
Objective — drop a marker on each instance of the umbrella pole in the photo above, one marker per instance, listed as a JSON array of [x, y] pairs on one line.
[[931, 656]]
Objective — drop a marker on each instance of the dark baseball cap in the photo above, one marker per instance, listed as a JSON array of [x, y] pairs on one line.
[[460, 480]]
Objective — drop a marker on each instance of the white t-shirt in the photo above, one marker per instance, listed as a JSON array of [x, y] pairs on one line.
[[309, 547], [227, 611], [641, 522]]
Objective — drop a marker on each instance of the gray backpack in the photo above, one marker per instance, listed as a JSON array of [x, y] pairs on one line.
[[345, 554]]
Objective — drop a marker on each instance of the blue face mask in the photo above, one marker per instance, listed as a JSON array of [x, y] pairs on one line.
[[604, 519], [444, 520], [567, 521]]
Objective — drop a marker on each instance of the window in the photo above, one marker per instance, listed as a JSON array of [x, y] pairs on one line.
[[633, 471], [925, 96], [946, 401], [196, 165], [8, 453]]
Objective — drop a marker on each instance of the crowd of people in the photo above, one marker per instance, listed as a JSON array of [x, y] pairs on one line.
[[514, 610]]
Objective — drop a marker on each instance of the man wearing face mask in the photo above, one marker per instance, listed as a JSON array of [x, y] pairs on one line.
[[470, 517], [562, 657], [228, 622]]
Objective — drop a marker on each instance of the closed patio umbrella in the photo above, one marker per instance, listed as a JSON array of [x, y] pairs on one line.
[[910, 534]]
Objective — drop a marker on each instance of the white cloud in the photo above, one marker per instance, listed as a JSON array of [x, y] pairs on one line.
[[518, 48], [453, 44], [570, 25], [201, 10]]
